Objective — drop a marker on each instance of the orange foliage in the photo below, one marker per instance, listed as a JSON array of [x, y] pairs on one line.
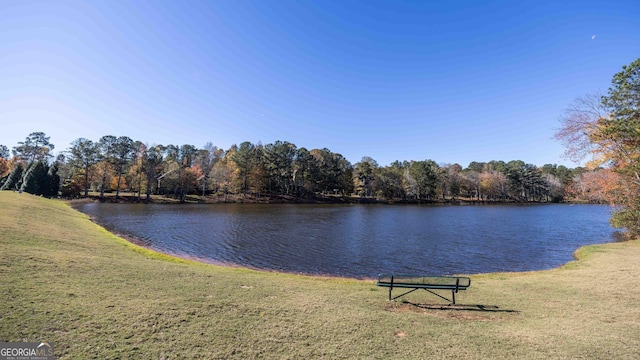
[[190, 178], [196, 171], [5, 169], [492, 184], [602, 185], [113, 183]]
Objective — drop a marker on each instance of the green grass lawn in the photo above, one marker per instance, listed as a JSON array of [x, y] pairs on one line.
[[67, 280]]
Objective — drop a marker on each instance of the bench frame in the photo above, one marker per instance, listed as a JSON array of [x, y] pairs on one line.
[[453, 283]]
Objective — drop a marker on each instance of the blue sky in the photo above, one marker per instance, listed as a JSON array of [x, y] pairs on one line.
[[451, 81]]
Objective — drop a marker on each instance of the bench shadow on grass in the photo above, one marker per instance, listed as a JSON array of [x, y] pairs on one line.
[[460, 307]]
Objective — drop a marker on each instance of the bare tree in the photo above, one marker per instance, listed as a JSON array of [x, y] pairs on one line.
[[578, 122]]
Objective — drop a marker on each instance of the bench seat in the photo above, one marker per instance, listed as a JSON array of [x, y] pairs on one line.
[[428, 283]]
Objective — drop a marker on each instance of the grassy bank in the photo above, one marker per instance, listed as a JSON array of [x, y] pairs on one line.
[[66, 280]]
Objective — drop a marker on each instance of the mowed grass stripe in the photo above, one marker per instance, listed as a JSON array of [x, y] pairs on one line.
[[67, 280]]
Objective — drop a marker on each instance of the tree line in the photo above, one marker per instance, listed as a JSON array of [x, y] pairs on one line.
[[275, 171]]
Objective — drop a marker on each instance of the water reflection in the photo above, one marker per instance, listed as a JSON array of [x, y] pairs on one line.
[[363, 240]]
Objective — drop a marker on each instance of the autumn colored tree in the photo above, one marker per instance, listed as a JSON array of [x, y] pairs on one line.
[[222, 175], [618, 139], [597, 186], [4, 162], [493, 184], [14, 180], [609, 132]]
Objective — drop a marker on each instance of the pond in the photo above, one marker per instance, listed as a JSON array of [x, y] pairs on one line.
[[361, 241]]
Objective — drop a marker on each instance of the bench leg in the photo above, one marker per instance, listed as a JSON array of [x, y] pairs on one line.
[[453, 296]]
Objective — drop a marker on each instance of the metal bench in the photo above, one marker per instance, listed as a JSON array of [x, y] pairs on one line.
[[428, 283]]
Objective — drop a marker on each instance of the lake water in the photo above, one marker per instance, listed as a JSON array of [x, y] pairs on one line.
[[361, 241]]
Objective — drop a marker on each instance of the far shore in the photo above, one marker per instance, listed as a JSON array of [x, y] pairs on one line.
[[128, 197]]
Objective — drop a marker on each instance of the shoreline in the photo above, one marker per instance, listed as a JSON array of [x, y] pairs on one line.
[[135, 241], [327, 199]]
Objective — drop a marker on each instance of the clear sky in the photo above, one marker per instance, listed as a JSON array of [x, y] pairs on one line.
[[451, 81]]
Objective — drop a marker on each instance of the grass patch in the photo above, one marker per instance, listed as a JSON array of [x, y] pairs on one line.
[[67, 280]]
